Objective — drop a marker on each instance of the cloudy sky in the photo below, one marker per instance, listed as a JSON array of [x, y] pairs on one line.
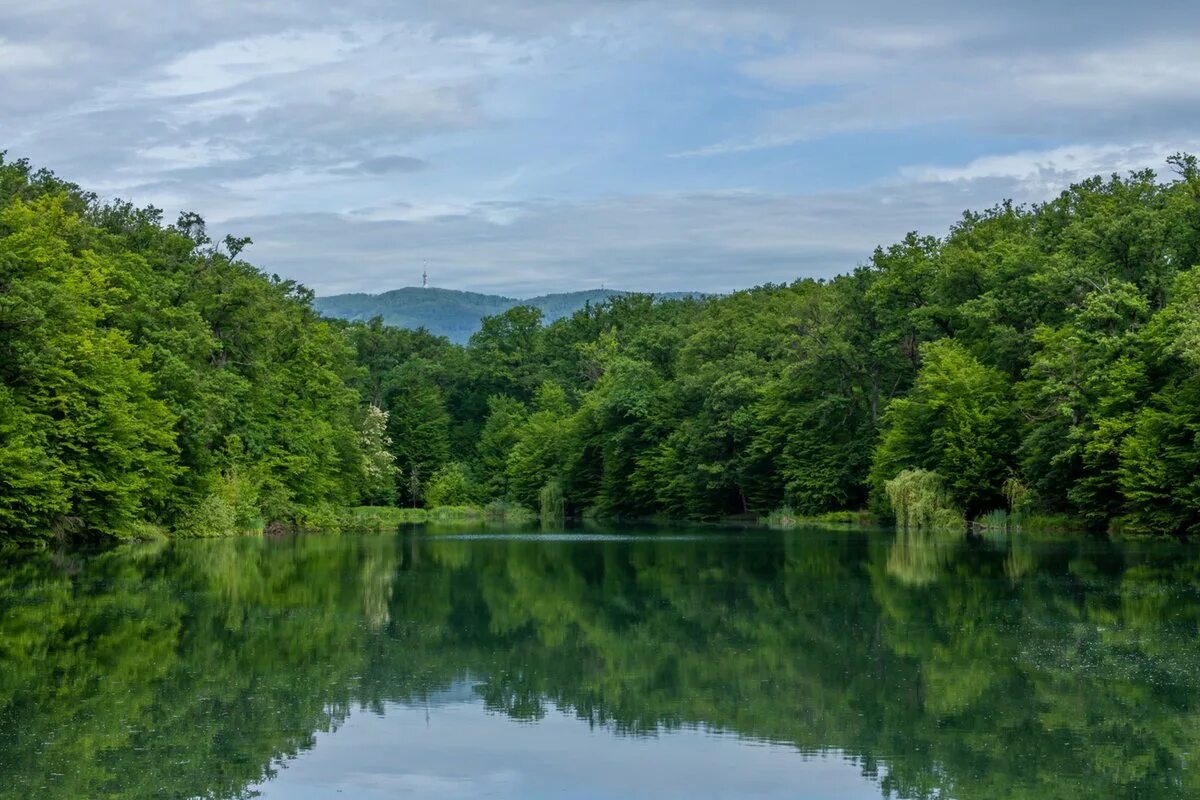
[[524, 146]]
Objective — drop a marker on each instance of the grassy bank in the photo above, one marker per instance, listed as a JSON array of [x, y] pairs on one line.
[[378, 518], [1005, 522], [786, 519]]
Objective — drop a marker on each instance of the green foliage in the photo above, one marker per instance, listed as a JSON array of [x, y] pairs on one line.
[[231, 507], [543, 448], [957, 422], [451, 485], [418, 425], [502, 511], [32, 495], [457, 513], [998, 520], [150, 378], [551, 501], [1159, 461], [500, 433], [379, 518], [920, 500], [387, 518], [787, 518]]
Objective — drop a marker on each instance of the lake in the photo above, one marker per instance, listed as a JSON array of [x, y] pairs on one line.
[[603, 663]]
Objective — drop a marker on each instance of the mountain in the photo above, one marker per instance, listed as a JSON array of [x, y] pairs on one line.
[[454, 314]]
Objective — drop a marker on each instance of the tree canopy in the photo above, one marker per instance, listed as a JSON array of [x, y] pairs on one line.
[[150, 378]]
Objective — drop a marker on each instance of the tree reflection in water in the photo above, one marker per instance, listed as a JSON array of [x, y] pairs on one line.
[[942, 666]]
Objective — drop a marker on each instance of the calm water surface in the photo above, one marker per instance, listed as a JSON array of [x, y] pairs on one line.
[[603, 664]]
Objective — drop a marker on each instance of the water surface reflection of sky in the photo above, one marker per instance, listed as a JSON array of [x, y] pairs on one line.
[[460, 750]]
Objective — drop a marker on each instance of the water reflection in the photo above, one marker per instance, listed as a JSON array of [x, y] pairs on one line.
[[924, 666], [450, 750], [920, 557]]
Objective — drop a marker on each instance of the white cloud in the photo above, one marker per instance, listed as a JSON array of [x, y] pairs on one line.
[[712, 241], [517, 144], [1155, 69], [231, 63], [190, 154], [15, 56], [910, 78], [1041, 172], [707, 241]]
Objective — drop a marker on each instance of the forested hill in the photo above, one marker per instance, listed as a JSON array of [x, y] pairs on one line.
[[456, 314]]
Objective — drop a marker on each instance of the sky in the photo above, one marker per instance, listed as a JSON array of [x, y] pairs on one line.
[[529, 146]]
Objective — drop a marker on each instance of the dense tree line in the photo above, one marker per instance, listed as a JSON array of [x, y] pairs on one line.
[[151, 379], [1040, 359], [1035, 360]]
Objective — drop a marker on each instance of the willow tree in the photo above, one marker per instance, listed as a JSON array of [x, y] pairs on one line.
[[552, 502], [920, 500]]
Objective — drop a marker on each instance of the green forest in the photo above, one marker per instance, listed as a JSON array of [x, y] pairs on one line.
[[1036, 363]]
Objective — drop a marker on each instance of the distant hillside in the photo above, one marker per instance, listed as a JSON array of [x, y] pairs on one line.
[[455, 314]]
